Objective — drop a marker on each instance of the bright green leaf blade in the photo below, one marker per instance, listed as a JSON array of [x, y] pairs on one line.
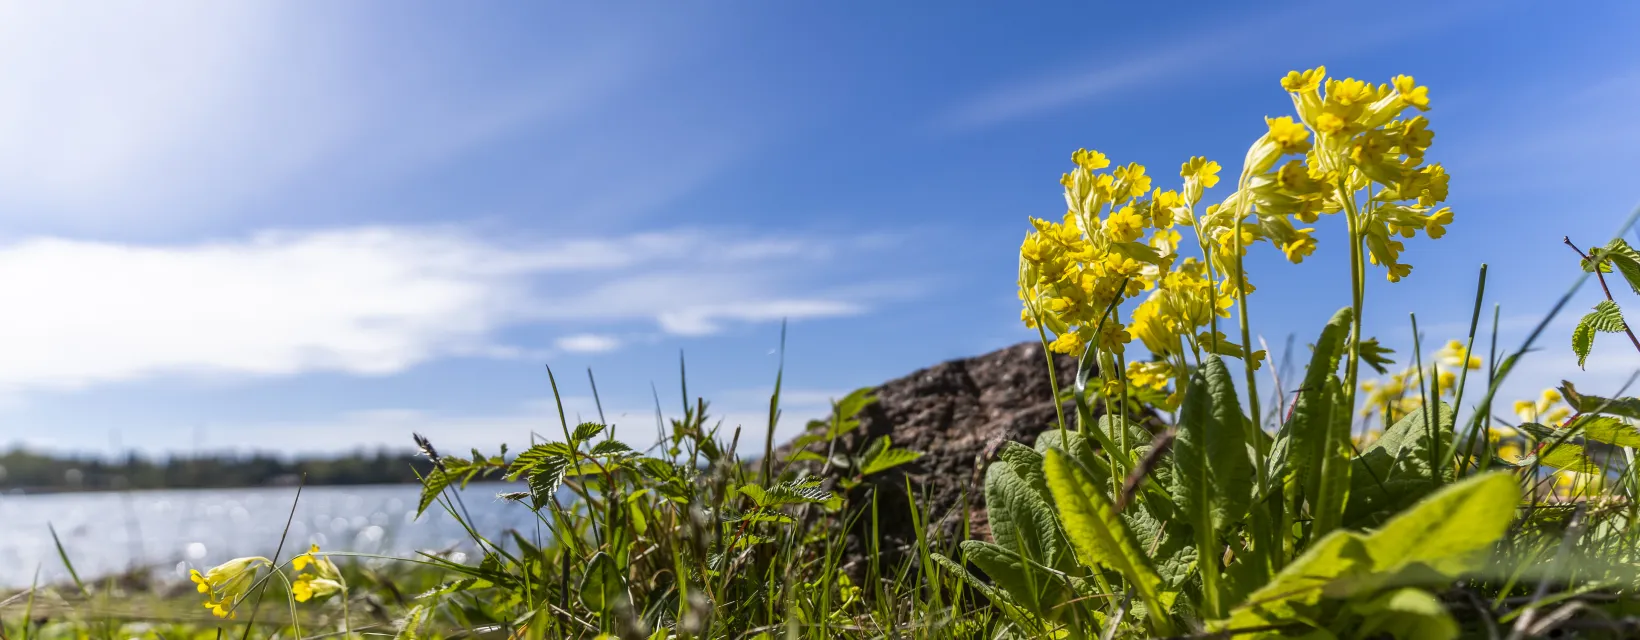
[[1449, 530], [1100, 537], [1296, 591]]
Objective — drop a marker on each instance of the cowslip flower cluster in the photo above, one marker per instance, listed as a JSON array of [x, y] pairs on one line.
[[1367, 156], [226, 584], [1114, 241]]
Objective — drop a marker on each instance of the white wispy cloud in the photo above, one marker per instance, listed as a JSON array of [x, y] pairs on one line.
[[588, 343], [374, 300], [1180, 63]]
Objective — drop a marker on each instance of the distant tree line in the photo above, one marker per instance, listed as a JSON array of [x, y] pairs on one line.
[[34, 472]]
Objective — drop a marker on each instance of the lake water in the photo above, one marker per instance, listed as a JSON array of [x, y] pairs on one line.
[[173, 530]]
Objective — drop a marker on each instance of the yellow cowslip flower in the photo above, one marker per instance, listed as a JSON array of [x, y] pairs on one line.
[[1124, 226], [1299, 247], [1113, 337], [1289, 136], [1435, 227], [1527, 410], [307, 588], [1511, 452], [1445, 381], [1305, 81], [1165, 242], [227, 583], [1132, 179], [1413, 95], [1068, 343], [1090, 160], [1199, 173], [1454, 354], [301, 561], [1149, 375]]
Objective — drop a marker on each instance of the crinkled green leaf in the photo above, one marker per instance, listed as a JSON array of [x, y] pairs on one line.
[[1435, 541], [1020, 508], [1394, 471], [1212, 474], [1035, 587]]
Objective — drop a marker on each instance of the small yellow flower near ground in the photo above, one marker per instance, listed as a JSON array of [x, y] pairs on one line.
[[307, 588]]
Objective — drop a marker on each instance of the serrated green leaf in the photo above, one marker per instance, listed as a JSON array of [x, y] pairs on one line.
[[1606, 430], [1627, 261], [587, 431], [410, 625], [1582, 340], [1606, 317], [527, 461], [545, 480], [610, 448], [1100, 537], [1622, 407]]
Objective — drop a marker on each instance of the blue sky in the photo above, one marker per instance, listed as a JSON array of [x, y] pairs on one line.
[[318, 226]]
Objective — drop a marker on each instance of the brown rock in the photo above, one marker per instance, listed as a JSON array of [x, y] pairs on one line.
[[957, 414]]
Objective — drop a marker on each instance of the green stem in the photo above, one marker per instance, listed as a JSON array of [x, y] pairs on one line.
[[1357, 300]]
